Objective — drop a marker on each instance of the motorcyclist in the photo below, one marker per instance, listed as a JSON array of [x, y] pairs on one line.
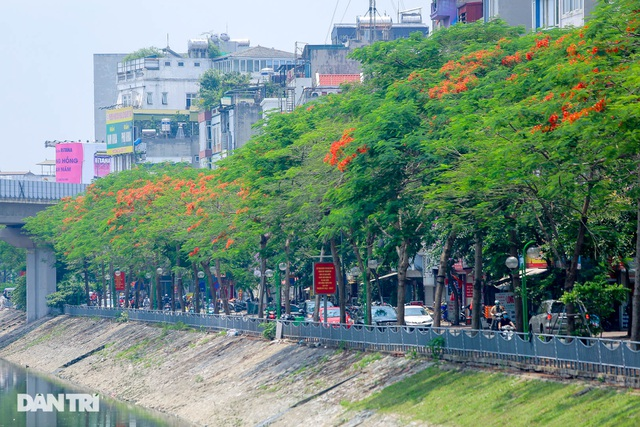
[[496, 313], [505, 321]]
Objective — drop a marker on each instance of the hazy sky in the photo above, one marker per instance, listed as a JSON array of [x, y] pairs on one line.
[[47, 47]]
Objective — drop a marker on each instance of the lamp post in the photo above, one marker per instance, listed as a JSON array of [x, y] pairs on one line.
[[151, 297], [212, 291], [372, 264], [200, 277], [107, 277], [268, 273], [281, 267], [513, 263], [159, 272]]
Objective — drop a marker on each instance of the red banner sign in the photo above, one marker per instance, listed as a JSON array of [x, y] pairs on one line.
[[119, 281], [324, 278]]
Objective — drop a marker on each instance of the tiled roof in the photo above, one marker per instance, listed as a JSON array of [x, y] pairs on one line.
[[336, 79]]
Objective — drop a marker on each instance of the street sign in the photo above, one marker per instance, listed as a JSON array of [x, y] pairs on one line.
[[324, 278]]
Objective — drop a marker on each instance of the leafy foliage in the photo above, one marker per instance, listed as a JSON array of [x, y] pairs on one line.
[[144, 52], [67, 293]]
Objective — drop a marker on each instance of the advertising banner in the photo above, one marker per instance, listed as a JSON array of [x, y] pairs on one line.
[[120, 131], [119, 281], [324, 278], [69, 162], [101, 165]]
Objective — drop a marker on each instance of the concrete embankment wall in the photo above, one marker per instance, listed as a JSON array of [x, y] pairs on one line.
[[208, 378]]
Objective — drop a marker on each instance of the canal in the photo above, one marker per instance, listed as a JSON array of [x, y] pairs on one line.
[[28, 399]]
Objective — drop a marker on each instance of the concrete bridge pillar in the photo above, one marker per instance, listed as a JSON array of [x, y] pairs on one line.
[[41, 281], [41, 271]]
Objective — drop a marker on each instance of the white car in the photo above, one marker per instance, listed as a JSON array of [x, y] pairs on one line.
[[416, 315]]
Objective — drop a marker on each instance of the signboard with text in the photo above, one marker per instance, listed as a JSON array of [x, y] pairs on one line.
[[119, 280], [324, 278], [101, 165], [120, 131], [69, 158]]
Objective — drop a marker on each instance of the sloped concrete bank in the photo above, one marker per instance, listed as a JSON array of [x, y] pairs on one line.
[[205, 377]]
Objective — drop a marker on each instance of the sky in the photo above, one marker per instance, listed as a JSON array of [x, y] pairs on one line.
[[47, 48]]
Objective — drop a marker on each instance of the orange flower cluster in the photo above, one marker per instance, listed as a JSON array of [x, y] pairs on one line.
[[459, 75], [510, 60], [337, 149], [567, 116], [194, 252]]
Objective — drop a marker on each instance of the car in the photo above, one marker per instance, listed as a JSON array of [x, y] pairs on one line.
[[333, 316], [309, 305], [415, 315], [383, 315], [551, 319]]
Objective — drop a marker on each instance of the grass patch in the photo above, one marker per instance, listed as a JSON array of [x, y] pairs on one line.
[[470, 398], [134, 352], [368, 359]]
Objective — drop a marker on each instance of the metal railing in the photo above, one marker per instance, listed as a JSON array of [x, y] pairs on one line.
[[596, 355], [37, 191]]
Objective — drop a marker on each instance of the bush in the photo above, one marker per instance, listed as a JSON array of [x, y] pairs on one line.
[[68, 293], [269, 330]]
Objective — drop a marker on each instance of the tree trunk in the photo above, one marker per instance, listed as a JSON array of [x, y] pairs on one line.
[[340, 278], [403, 264], [287, 282], [196, 288], [263, 266], [442, 270], [477, 283], [572, 271], [364, 267], [635, 294]]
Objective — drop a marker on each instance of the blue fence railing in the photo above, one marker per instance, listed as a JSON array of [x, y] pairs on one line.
[[591, 354], [37, 191]]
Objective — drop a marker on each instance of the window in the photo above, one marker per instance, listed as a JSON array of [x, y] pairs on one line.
[[180, 64], [250, 65], [126, 100], [571, 5], [196, 64], [191, 100], [149, 98], [165, 98], [167, 63]]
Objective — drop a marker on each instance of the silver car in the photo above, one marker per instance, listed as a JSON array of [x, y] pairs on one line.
[[552, 319], [416, 315]]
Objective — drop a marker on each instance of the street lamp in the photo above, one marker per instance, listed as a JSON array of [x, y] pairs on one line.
[[512, 263], [372, 264], [268, 273], [159, 272]]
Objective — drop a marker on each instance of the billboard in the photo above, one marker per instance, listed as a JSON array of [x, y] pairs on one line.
[[120, 131], [101, 165], [69, 157], [324, 278]]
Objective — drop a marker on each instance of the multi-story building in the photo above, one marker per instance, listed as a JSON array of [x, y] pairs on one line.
[[254, 61], [540, 14], [531, 14], [105, 92], [372, 27]]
